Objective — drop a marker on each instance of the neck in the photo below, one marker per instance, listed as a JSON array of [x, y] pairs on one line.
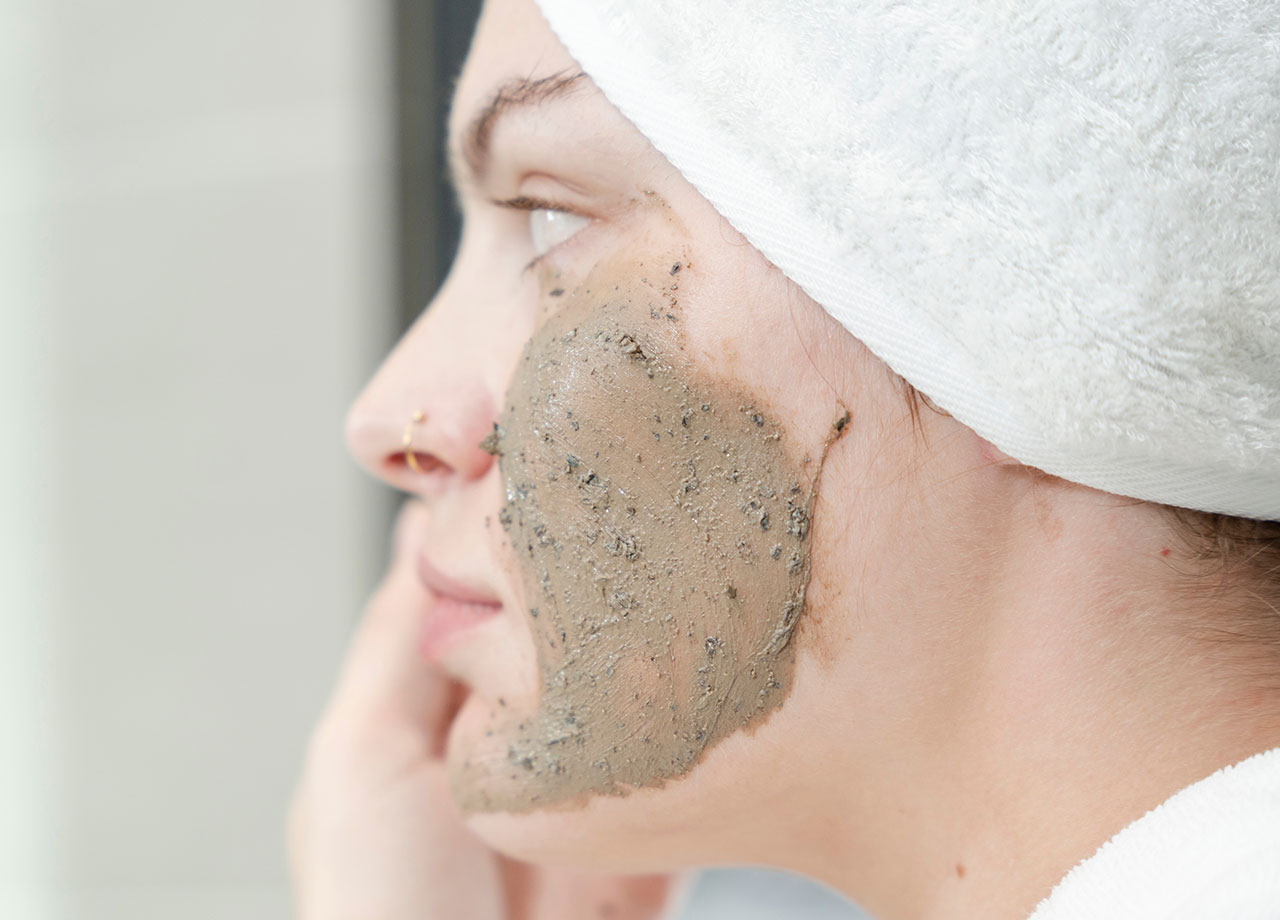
[[1072, 708]]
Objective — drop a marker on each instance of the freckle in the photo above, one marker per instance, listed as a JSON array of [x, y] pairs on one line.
[[959, 870]]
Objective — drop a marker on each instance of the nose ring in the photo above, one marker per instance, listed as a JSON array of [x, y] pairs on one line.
[[410, 458]]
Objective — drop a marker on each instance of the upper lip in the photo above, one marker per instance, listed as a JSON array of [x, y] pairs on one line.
[[440, 584]]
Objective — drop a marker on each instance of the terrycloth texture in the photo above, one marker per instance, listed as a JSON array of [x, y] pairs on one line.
[[1211, 852], [1059, 219]]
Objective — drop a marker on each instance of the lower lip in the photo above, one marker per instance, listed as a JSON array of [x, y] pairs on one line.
[[448, 620]]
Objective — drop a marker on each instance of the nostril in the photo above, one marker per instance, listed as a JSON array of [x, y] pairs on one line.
[[415, 461]]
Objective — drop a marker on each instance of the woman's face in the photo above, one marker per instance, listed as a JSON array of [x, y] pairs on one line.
[[659, 478]]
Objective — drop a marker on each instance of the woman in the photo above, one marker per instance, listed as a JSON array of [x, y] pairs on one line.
[[696, 577]]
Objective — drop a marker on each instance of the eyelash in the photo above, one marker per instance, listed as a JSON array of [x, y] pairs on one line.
[[529, 205]]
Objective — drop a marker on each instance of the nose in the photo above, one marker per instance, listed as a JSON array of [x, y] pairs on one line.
[[419, 423]]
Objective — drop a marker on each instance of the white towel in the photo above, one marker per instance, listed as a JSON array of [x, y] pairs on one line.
[[1058, 219], [1211, 852]]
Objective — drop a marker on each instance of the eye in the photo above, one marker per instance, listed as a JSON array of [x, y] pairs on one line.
[[549, 227]]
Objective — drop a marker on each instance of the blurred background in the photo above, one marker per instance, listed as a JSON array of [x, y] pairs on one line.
[[214, 220]]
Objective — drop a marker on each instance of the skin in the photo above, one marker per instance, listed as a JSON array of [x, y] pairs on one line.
[[994, 671]]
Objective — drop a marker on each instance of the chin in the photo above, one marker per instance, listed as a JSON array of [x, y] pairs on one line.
[[586, 833], [614, 834], [688, 821]]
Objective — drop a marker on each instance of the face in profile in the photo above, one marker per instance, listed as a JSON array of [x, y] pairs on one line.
[[631, 424]]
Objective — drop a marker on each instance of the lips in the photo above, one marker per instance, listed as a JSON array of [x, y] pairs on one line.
[[459, 607]]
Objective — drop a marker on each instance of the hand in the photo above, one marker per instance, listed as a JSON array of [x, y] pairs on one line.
[[373, 832]]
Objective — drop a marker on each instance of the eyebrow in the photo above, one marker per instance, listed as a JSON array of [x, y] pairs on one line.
[[514, 94]]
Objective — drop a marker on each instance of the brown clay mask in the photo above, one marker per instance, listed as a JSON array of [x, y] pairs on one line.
[[661, 520]]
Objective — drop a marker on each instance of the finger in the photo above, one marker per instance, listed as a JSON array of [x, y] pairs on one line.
[[384, 681]]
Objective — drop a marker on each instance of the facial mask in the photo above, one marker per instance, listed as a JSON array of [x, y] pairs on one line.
[[661, 519]]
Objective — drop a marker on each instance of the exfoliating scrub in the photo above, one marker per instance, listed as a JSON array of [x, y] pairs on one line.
[[661, 520]]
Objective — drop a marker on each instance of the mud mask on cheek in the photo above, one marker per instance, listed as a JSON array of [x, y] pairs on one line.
[[661, 522]]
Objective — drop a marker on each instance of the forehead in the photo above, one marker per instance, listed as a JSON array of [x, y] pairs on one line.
[[524, 107], [512, 42]]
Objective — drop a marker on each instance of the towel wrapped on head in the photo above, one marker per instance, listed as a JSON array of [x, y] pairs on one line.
[[1058, 219]]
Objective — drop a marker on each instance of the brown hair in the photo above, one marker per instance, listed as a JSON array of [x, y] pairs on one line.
[[1233, 559]]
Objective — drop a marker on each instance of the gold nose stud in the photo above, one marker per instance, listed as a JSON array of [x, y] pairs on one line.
[[410, 458]]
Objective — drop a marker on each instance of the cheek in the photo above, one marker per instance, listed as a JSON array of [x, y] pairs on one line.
[[660, 519]]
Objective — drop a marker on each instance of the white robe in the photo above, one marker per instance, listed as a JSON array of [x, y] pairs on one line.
[[1209, 852]]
